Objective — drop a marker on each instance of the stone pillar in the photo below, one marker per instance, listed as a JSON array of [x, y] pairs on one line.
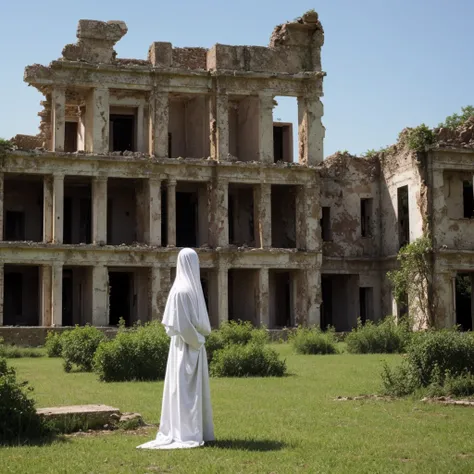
[[171, 202], [100, 296], [223, 294], [48, 209], [159, 124], [219, 127], [263, 215], [58, 208], [2, 197], [57, 294], [99, 210], [140, 129], [219, 218], [97, 121], [2, 293], [263, 302], [154, 293], [46, 273], [313, 284], [58, 119], [310, 130], [154, 217], [265, 138], [307, 218]]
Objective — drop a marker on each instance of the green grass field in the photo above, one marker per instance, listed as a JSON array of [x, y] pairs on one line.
[[287, 425]]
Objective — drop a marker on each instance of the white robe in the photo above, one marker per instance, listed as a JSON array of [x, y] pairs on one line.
[[186, 414]]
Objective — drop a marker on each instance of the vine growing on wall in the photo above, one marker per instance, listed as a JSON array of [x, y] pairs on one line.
[[412, 280]]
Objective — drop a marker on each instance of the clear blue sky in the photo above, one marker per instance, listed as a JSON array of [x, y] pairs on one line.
[[389, 63]]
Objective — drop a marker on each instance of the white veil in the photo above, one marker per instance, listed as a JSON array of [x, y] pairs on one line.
[[186, 299]]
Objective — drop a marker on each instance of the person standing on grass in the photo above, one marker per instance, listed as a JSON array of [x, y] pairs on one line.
[[186, 413]]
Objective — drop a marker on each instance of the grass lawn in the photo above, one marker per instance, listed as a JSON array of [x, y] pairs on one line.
[[285, 425]]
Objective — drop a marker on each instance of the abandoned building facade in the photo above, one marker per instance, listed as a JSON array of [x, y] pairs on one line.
[[138, 158]]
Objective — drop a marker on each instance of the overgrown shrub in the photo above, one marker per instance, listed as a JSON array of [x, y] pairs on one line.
[[249, 360], [383, 337], [446, 350], [313, 341], [439, 362], [420, 137], [78, 347], [53, 344], [18, 418], [233, 332], [139, 353], [456, 120]]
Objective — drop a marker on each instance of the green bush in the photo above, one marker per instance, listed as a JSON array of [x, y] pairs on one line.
[[249, 360], [139, 353], [53, 344], [233, 332], [420, 137], [439, 362], [446, 350], [384, 337], [79, 346], [18, 418], [313, 341], [10, 351]]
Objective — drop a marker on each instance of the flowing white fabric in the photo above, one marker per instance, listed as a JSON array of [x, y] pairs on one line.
[[186, 413]]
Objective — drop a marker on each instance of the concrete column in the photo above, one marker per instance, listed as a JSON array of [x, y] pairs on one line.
[[301, 307], [263, 302], [58, 208], [171, 202], [2, 292], [313, 283], [219, 127], [154, 293], [58, 119], [219, 218], [310, 130], [154, 218], [307, 218], [263, 215], [265, 138], [100, 296], [99, 210], [48, 209], [2, 197], [97, 121], [57, 294], [223, 294], [46, 273], [140, 129], [159, 124]]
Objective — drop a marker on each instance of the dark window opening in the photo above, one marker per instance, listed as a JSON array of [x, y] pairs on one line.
[[326, 305], [403, 216], [241, 215], [366, 217], [281, 282], [70, 137], [120, 290], [110, 207], [13, 303], [85, 220], [468, 199], [164, 218], [282, 143], [186, 219], [170, 142], [283, 217], [14, 225], [67, 226], [464, 301], [365, 304], [122, 128], [326, 224], [67, 319]]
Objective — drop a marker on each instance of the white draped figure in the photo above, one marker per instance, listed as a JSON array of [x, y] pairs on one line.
[[186, 414]]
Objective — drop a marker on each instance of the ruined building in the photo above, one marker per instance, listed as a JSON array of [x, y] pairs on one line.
[[137, 158]]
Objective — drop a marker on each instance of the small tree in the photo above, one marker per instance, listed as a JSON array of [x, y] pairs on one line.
[[413, 279]]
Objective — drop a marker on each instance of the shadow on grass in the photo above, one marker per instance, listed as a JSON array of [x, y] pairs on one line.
[[247, 444], [39, 442]]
